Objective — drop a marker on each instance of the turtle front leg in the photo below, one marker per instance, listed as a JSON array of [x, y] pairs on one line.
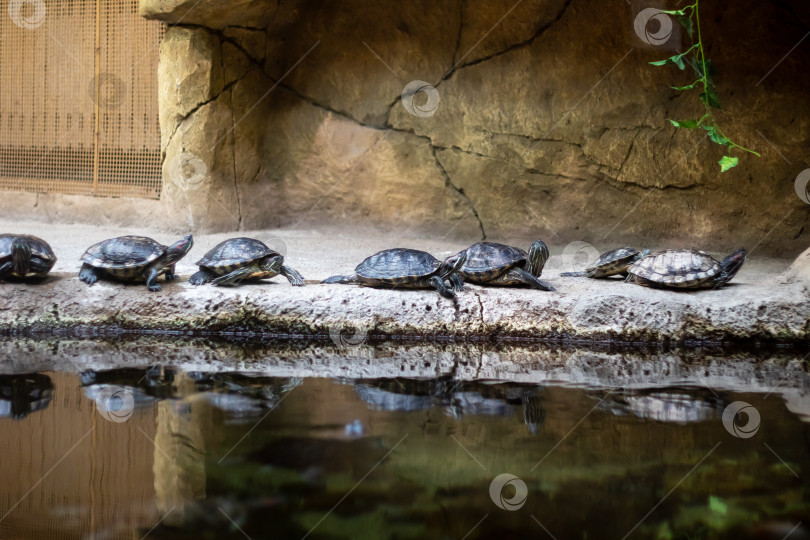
[[39, 267], [170, 273], [292, 276], [151, 279], [458, 283], [201, 277], [522, 276], [443, 289], [6, 269], [88, 274]]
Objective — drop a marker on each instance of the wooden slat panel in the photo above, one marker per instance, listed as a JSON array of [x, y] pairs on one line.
[[47, 108]]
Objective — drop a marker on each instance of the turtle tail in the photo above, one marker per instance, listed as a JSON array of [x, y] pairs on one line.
[[574, 274], [340, 279]]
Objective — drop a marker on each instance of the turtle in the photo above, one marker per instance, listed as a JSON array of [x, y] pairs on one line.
[[611, 263], [685, 269], [24, 256], [489, 263], [233, 260], [402, 267], [133, 259]]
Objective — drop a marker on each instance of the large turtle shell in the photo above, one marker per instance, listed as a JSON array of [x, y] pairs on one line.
[[681, 268], [490, 259], [612, 262], [397, 266], [235, 253], [39, 247], [123, 252]]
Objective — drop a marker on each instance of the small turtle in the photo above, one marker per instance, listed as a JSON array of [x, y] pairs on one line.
[[133, 259], [236, 259], [489, 263], [611, 263], [25, 256], [402, 267], [685, 269]]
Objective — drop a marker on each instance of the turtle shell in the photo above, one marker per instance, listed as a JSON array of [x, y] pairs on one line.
[[488, 260], [124, 253], [679, 268], [612, 262], [39, 247], [235, 253], [397, 266]]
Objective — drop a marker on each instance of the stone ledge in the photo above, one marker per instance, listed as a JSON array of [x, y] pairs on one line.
[[759, 305], [582, 311]]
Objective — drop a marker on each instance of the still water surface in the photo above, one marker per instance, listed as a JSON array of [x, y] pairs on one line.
[[166, 452]]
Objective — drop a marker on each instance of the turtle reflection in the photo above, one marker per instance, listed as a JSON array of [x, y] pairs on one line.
[[243, 396], [458, 398], [146, 386], [672, 405], [239, 395], [21, 395]]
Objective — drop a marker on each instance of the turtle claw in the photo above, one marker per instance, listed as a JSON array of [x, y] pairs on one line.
[[153, 288], [88, 276], [199, 278]]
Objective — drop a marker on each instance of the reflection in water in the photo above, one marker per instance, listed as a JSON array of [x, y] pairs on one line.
[[235, 455], [457, 398], [20, 395], [675, 405]]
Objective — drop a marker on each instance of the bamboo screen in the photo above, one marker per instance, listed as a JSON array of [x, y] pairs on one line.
[[78, 98]]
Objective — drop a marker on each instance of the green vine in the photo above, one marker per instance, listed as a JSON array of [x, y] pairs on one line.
[[689, 18]]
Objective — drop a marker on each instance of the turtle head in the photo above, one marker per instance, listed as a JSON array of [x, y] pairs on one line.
[[538, 255], [20, 256], [733, 263], [452, 264], [179, 249], [640, 255]]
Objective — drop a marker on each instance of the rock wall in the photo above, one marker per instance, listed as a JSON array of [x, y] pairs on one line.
[[550, 122]]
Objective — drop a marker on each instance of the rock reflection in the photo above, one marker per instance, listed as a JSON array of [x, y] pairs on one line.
[[21, 395]]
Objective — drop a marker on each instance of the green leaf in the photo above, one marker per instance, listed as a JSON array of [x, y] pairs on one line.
[[715, 135], [727, 162], [686, 124], [677, 60], [716, 504], [710, 98], [686, 22], [688, 87], [698, 67], [674, 12]]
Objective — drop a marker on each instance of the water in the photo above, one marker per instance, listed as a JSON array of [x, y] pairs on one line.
[[150, 439]]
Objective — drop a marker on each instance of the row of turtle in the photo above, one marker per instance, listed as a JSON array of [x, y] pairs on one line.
[[139, 259]]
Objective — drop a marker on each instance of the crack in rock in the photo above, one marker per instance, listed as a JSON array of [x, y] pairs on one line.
[[449, 183], [200, 105], [509, 49]]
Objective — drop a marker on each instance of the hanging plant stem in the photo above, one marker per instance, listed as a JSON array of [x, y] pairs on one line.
[[689, 17]]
